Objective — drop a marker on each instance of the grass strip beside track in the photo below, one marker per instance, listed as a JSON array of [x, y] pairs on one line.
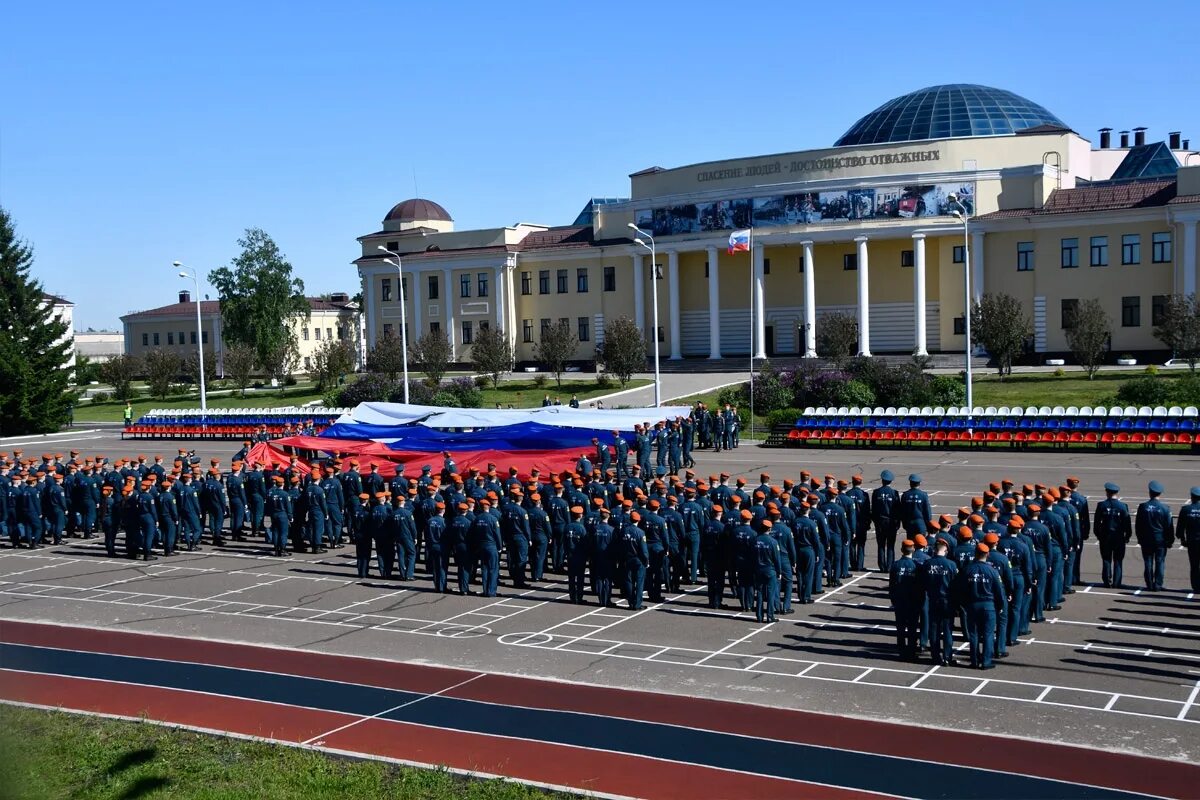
[[54, 754]]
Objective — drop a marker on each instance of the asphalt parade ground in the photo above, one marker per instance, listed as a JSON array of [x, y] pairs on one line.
[[1101, 699]]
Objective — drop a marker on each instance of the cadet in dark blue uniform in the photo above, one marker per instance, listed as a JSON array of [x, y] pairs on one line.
[[885, 516], [359, 514], [839, 535], [458, 537], [979, 592], [1080, 502], [168, 516], [600, 555], [278, 508], [1020, 560], [712, 551], [486, 542], [436, 556], [1113, 529], [1039, 537], [808, 542], [1187, 531], [915, 511], [742, 543], [1155, 536], [905, 590], [405, 542], [766, 574], [938, 576], [236, 492], [635, 556], [783, 536]]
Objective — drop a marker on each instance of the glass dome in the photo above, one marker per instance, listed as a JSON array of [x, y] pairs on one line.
[[947, 112]]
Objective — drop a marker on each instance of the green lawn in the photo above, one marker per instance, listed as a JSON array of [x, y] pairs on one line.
[[114, 411], [1045, 389], [52, 754], [526, 394]]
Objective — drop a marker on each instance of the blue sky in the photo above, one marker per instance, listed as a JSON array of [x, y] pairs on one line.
[[134, 134]]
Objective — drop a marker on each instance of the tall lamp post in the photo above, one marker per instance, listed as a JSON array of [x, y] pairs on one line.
[[183, 273], [962, 213], [643, 236], [403, 319]]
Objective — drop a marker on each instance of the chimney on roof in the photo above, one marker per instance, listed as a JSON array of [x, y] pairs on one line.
[[1105, 138], [339, 297], [185, 296], [1139, 136], [1187, 144], [1124, 138], [1173, 138]]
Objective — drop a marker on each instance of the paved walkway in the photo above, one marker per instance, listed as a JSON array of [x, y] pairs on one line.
[[608, 741], [675, 385]]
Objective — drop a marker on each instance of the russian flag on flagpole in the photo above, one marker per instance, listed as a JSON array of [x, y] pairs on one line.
[[739, 241]]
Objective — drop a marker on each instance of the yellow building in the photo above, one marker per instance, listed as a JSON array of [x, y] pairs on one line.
[[871, 227], [173, 327]]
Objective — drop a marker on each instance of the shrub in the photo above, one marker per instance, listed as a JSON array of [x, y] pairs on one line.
[[465, 392], [1186, 390], [771, 392], [101, 397], [837, 337], [482, 381], [540, 380], [445, 399], [945, 390], [732, 395], [418, 393], [783, 416], [856, 393], [372, 387], [1060, 373], [1146, 391], [1152, 369], [605, 381]]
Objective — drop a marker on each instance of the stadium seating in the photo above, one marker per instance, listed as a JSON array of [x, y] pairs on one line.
[[1098, 428], [228, 423]]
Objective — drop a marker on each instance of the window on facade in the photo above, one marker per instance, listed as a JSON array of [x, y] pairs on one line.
[[464, 285], [581, 279], [483, 284], [307, 362], [204, 337], [170, 337], [585, 329], [850, 261], [800, 265], [526, 283], [329, 333], [145, 340], [543, 281], [317, 334], [662, 336], [304, 333], [341, 332], [385, 292], [156, 340], [1131, 248], [1158, 309], [960, 326], [766, 266], [466, 331], [193, 337], [1131, 312], [907, 258], [484, 325], [545, 327], [393, 246], [387, 329], [404, 288], [959, 254], [435, 327], [181, 338], [527, 330], [433, 287], [561, 276], [1098, 250], [1070, 253], [1067, 311], [1024, 256], [1160, 244], [610, 279]]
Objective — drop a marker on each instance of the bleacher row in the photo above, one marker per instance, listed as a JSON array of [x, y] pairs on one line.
[[228, 423], [1058, 426]]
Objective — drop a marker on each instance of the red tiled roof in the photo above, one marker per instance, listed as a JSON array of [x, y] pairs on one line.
[[563, 236], [1097, 197], [208, 307]]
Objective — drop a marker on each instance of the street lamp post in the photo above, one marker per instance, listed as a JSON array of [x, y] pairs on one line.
[[195, 276], [403, 319], [654, 283], [962, 213]]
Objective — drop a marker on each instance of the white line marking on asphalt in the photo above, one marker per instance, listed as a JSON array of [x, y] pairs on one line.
[[1187, 705]]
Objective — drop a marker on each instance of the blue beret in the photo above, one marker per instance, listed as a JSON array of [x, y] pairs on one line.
[[1156, 487], [1111, 487], [1196, 491], [886, 475], [914, 478]]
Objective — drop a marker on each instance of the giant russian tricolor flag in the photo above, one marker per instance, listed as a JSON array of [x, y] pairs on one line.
[[739, 241], [550, 439]]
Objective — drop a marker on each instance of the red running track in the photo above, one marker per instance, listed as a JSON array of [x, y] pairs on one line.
[[532, 755]]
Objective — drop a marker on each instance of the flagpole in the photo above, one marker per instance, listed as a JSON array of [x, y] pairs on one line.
[[752, 329]]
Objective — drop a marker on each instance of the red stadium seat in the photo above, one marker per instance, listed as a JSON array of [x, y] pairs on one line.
[[1076, 437], [1153, 438], [793, 434], [876, 435], [1090, 437], [1138, 438], [1062, 437], [1169, 438], [1122, 438], [1184, 438], [940, 436], [1021, 437], [1107, 438]]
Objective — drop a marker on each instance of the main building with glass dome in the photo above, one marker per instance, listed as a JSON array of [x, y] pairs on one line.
[[872, 227]]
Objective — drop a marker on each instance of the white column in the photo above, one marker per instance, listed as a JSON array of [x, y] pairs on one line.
[[714, 304], [414, 295], [510, 273], [451, 328], [673, 300], [1189, 257], [639, 293], [810, 302], [977, 266], [919, 292], [760, 321], [498, 291], [864, 302], [371, 314]]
